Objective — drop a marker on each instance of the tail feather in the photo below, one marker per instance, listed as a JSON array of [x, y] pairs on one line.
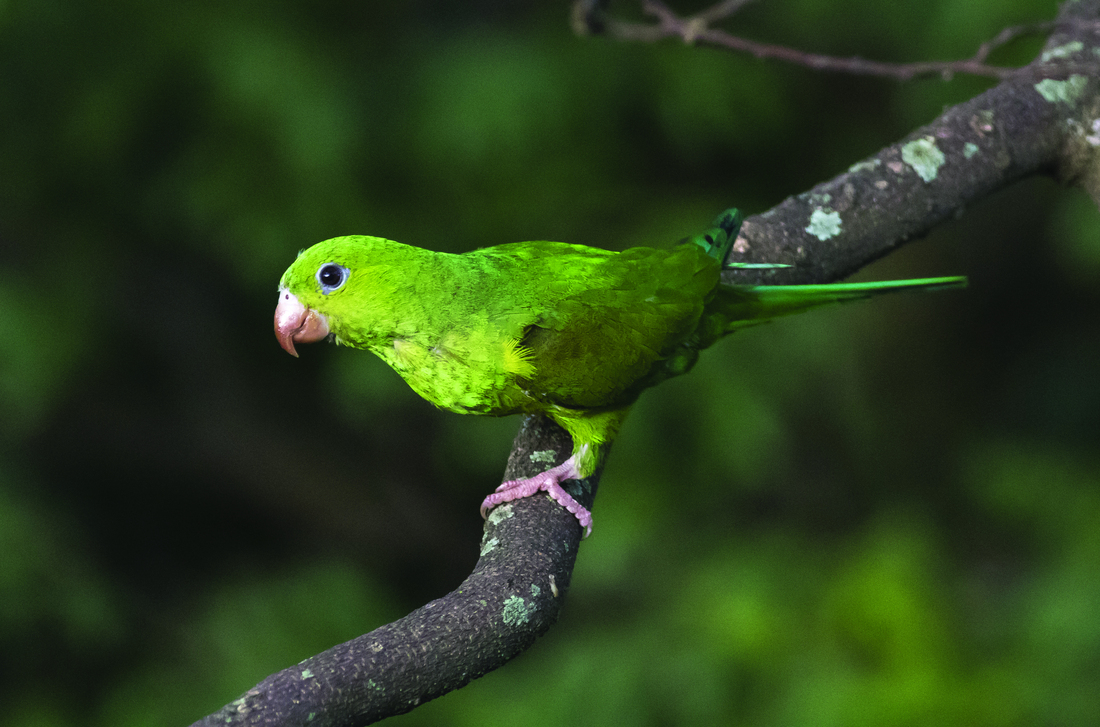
[[738, 306], [746, 305]]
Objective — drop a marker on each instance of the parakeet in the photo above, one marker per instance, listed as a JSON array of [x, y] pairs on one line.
[[572, 332]]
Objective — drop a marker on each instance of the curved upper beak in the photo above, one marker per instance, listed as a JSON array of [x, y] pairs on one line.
[[294, 323]]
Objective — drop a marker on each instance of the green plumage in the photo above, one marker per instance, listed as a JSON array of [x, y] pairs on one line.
[[572, 332]]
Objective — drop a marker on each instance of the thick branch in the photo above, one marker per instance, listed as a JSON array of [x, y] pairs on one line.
[[1038, 121], [513, 596]]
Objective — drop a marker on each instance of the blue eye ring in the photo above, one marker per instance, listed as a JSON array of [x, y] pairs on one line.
[[331, 277]]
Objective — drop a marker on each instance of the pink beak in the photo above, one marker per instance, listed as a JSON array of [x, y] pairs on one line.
[[296, 323]]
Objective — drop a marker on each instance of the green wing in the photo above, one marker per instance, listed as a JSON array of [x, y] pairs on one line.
[[601, 319]]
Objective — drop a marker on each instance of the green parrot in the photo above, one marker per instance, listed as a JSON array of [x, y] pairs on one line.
[[572, 332]]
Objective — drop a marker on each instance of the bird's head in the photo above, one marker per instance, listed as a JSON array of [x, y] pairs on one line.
[[316, 288]]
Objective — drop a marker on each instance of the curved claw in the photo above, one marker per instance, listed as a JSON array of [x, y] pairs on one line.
[[296, 323]]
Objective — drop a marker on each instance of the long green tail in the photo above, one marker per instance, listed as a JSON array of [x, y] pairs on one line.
[[738, 306], [747, 305]]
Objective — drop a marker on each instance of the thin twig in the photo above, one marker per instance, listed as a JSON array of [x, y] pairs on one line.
[[1009, 34], [721, 11], [696, 29], [853, 65]]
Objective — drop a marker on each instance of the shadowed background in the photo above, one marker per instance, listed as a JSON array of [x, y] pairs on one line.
[[880, 514]]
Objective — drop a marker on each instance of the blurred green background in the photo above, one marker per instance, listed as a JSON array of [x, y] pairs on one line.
[[883, 514]]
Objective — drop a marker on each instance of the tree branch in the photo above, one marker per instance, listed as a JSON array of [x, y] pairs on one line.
[[513, 596], [1041, 120]]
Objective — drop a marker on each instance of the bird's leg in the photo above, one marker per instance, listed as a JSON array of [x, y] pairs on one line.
[[548, 482]]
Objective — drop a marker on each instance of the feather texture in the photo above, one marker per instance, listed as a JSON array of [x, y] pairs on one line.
[[572, 332]]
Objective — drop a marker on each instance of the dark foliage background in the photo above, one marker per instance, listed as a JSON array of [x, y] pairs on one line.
[[876, 515]]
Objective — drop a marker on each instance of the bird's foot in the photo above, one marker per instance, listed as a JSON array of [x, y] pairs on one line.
[[548, 482]]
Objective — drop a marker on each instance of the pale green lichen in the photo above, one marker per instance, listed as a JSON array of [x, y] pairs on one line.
[[488, 546], [516, 611], [924, 157], [544, 455], [307, 674], [1067, 91], [500, 513], [970, 149], [863, 166], [535, 590], [1062, 51], [1094, 138], [824, 223]]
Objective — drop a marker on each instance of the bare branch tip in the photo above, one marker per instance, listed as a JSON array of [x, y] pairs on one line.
[[697, 29]]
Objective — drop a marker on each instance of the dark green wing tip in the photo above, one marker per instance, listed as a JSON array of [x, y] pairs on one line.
[[730, 222], [718, 240]]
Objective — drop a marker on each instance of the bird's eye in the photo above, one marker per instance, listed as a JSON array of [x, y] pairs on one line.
[[331, 276]]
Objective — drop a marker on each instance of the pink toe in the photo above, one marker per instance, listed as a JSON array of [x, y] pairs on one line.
[[547, 481]]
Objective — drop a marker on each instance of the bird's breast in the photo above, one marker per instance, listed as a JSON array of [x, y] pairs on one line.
[[463, 381]]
